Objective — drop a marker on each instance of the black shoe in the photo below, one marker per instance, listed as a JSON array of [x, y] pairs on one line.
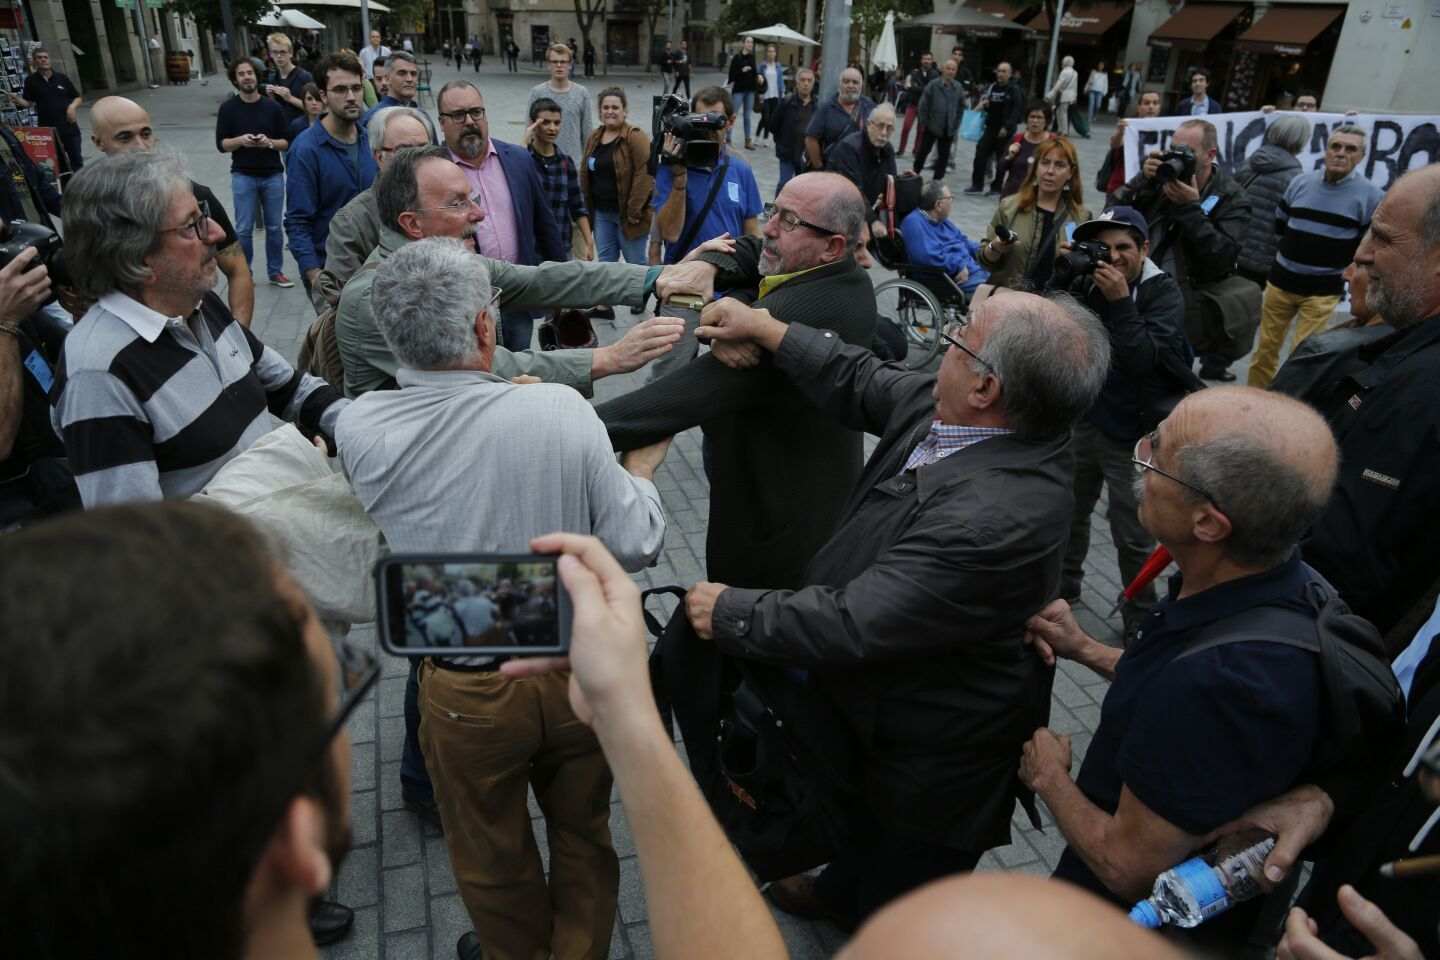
[[427, 811], [468, 947], [330, 922], [1216, 373]]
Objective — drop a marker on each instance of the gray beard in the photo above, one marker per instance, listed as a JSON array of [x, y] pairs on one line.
[[470, 146], [1402, 307]]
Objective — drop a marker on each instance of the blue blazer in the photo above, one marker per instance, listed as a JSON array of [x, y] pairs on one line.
[[1182, 109], [539, 235]]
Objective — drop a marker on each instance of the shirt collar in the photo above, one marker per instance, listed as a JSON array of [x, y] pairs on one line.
[[407, 377], [1281, 582], [147, 323], [769, 283]]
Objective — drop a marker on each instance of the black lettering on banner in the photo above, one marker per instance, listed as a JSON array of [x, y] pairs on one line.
[[1395, 134], [1423, 139], [1151, 140], [1319, 139], [1237, 145]]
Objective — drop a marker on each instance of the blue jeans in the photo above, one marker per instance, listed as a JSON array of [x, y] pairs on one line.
[[1096, 98], [610, 241], [516, 327], [249, 193], [787, 171], [746, 102]]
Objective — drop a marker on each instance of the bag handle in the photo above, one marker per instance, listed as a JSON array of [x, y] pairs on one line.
[[717, 178], [652, 622]]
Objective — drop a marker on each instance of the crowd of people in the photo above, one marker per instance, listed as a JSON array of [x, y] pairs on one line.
[[899, 614]]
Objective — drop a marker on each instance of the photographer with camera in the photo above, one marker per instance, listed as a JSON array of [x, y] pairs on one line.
[[1107, 264], [1197, 214], [35, 480]]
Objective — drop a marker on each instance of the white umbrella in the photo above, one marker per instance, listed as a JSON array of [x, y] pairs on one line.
[[884, 55], [779, 33], [300, 21], [271, 19]]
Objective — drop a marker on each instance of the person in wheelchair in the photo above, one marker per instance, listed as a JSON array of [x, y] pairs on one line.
[[932, 240]]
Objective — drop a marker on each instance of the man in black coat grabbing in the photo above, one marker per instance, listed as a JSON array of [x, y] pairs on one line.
[[911, 618], [780, 471]]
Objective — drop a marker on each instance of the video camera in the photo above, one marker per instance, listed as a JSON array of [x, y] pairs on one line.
[[1177, 163], [699, 148], [17, 235], [1079, 261]]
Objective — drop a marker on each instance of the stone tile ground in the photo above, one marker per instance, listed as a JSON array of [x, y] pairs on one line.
[[398, 875]]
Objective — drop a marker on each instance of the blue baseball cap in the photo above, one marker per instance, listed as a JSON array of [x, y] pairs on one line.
[[1112, 218]]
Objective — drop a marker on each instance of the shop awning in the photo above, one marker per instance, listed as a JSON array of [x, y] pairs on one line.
[[1288, 30], [1085, 23], [1195, 25]]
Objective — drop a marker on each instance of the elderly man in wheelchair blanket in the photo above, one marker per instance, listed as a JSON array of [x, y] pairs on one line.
[[932, 240]]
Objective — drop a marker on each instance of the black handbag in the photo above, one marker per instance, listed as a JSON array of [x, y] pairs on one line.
[[568, 330], [772, 757]]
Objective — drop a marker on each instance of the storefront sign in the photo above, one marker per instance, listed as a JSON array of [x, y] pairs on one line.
[[39, 146], [1397, 142]]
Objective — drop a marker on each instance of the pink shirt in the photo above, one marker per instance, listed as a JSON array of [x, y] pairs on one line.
[[496, 235]]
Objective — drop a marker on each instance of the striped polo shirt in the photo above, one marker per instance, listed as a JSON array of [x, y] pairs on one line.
[[151, 407], [1320, 225]]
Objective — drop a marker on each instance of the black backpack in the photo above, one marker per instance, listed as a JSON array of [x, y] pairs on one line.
[[1363, 723]]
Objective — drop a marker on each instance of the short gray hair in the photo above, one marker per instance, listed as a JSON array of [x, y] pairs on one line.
[[1051, 372], [1270, 503], [380, 122], [398, 188], [844, 212], [405, 55], [882, 110], [115, 212], [930, 195], [1290, 132], [426, 296], [454, 85], [1352, 130]]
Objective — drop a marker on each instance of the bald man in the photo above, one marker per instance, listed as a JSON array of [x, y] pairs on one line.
[[1229, 482], [120, 125]]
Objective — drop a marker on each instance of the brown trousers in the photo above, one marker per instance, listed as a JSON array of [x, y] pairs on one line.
[[486, 738]]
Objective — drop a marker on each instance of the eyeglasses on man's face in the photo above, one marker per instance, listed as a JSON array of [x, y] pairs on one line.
[[952, 334], [789, 220], [1144, 459], [473, 114], [458, 205], [200, 225]]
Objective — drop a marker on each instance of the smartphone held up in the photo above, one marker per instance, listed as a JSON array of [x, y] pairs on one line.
[[472, 605]]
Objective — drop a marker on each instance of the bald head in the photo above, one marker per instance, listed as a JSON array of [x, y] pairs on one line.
[[997, 916], [119, 125], [1268, 461], [829, 201], [1400, 254]]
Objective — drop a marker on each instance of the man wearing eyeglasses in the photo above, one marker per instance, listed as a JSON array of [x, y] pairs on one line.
[[1144, 313], [181, 798], [574, 100], [908, 620], [867, 159], [328, 165], [1192, 736], [355, 228], [518, 225]]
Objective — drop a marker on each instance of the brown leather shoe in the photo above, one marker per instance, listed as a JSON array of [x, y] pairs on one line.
[[798, 897]]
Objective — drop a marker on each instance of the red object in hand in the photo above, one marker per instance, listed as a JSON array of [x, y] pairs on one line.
[[1155, 564]]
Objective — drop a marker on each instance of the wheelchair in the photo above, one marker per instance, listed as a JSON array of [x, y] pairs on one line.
[[922, 300]]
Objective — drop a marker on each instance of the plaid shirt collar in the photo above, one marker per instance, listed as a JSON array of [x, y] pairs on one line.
[[945, 439]]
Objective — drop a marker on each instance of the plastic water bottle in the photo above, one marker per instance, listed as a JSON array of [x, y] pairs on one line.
[[1203, 887]]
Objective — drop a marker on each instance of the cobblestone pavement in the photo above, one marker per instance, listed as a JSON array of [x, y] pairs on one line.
[[398, 876]]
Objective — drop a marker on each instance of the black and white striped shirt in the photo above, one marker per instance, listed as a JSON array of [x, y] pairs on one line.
[[151, 407]]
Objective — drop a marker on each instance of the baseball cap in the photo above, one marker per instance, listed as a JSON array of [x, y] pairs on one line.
[[1114, 217]]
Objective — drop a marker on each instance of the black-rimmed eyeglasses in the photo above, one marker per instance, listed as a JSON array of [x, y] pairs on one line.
[[1144, 459], [473, 114], [789, 220], [200, 225]]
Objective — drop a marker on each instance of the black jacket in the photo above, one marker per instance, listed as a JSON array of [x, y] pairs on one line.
[[780, 470], [1151, 359], [1191, 245], [791, 120], [912, 617], [1006, 109], [1375, 541], [856, 159], [914, 86], [742, 80]]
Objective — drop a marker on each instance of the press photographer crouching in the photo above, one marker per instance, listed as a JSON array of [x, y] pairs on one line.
[[35, 480], [1197, 214], [1108, 265]]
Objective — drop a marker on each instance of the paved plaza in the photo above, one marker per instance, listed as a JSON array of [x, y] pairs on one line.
[[398, 876]]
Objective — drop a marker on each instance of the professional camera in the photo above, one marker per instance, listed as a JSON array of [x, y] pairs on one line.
[[17, 235], [1177, 163], [1080, 261], [695, 131]]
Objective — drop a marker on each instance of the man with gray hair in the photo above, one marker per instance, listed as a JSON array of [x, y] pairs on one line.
[[841, 115], [428, 462], [355, 229], [1211, 710], [402, 84], [159, 386], [908, 621], [1320, 221], [422, 193]]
